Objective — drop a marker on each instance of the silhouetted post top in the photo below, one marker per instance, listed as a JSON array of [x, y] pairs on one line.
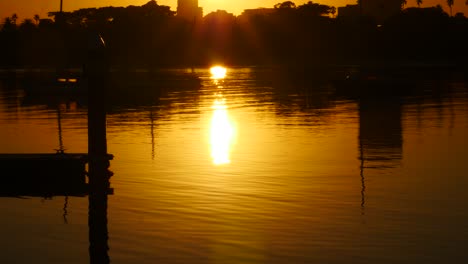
[[97, 61], [95, 41], [95, 70]]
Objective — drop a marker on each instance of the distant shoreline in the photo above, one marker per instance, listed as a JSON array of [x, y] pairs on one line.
[[409, 65]]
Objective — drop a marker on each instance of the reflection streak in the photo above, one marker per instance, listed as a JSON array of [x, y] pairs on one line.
[[222, 133]]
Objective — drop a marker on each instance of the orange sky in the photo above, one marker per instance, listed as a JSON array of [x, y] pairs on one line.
[[27, 8]]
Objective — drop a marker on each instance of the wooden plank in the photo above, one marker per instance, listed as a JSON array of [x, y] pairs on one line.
[[53, 157], [46, 174], [43, 156]]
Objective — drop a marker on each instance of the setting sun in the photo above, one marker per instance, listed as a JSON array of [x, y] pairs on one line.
[[218, 72], [247, 131], [25, 9]]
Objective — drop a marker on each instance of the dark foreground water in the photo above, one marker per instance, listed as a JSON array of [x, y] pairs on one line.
[[253, 169]]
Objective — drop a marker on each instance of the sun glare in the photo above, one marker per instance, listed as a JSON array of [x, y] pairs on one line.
[[222, 133], [218, 72]]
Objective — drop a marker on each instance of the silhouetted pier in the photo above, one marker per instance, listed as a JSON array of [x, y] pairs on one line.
[[60, 173], [45, 174], [73, 174]]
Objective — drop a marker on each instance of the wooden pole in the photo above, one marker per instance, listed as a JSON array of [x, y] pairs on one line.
[[95, 72], [98, 232]]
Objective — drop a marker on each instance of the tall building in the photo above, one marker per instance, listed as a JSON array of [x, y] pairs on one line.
[[189, 9]]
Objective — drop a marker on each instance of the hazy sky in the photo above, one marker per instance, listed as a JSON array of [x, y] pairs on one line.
[[27, 8]]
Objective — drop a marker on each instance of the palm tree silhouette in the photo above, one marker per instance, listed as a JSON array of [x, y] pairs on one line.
[[450, 4], [8, 24], [14, 17], [37, 18], [419, 2], [27, 24]]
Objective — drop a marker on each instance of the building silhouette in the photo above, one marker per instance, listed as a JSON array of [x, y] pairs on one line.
[[258, 12], [189, 10], [378, 9], [349, 11]]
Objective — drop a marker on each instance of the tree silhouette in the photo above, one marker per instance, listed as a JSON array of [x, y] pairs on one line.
[[37, 18], [285, 5], [450, 4], [27, 24], [314, 9], [8, 24], [152, 36], [333, 11], [14, 17]]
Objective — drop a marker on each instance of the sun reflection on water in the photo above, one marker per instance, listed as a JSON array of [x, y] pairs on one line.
[[222, 133], [222, 128]]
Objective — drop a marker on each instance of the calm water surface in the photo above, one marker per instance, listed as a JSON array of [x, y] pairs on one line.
[[250, 168]]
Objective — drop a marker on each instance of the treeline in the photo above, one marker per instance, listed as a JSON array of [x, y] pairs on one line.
[[153, 36]]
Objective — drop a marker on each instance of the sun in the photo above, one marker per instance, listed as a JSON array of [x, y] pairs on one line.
[[218, 72]]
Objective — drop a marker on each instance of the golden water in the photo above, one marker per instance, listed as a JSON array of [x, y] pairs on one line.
[[250, 169]]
